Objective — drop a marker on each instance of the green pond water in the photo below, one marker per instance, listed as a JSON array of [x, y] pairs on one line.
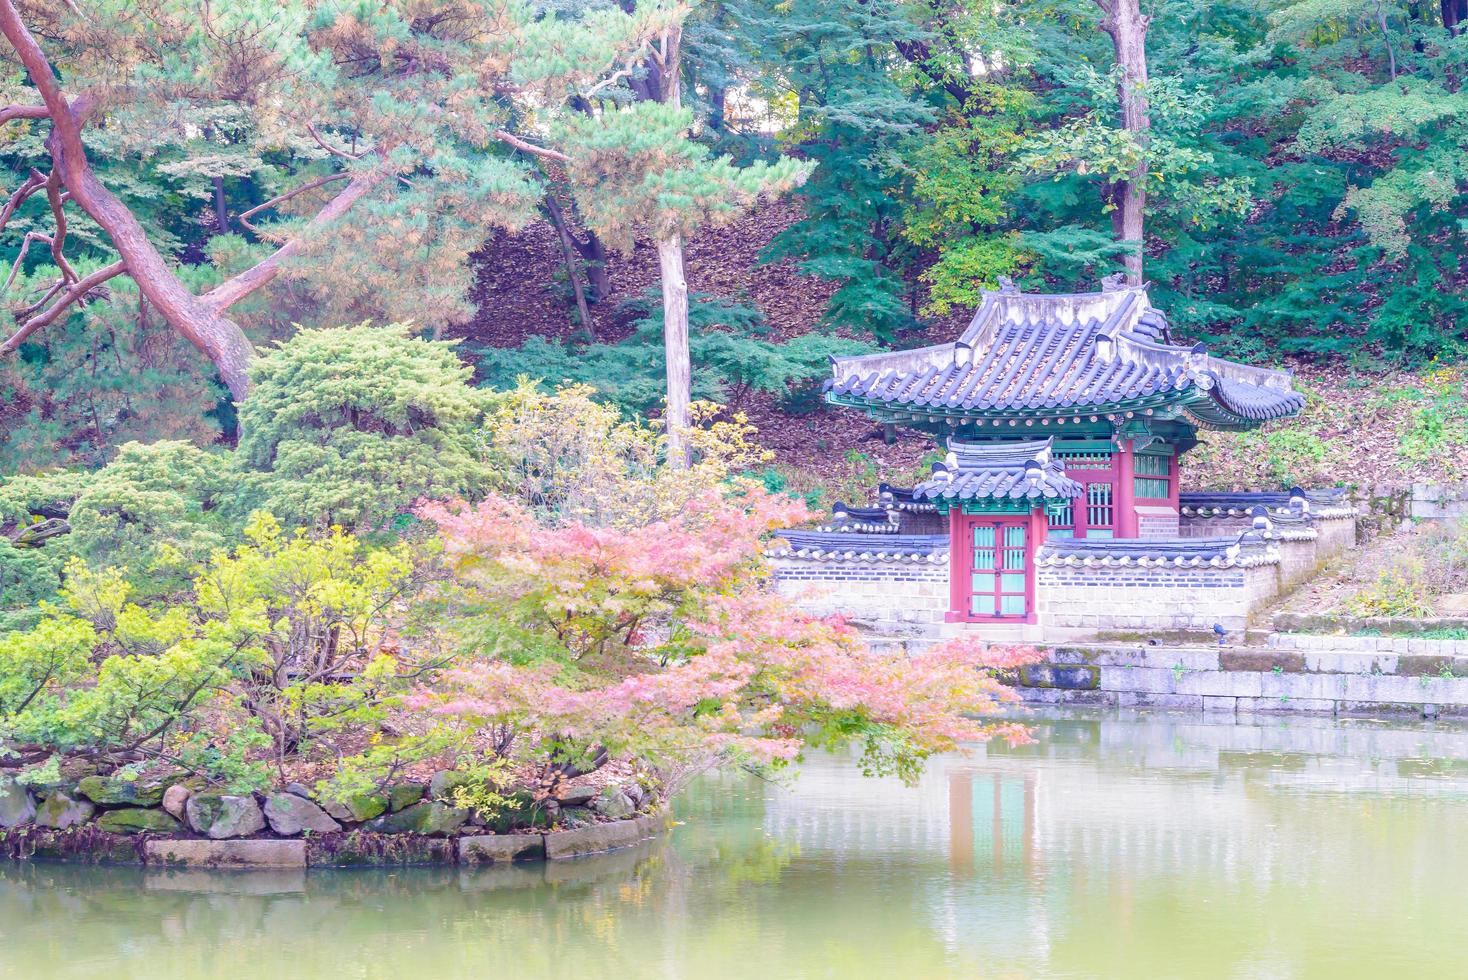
[[1162, 846]]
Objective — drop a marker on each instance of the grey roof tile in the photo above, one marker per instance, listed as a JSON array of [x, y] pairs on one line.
[[1065, 352]]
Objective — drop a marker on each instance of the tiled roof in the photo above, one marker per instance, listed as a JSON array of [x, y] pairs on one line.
[[1064, 355], [1322, 504], [839, 546], [1224, 552], [864, 520], [902, 498], [998, 470]]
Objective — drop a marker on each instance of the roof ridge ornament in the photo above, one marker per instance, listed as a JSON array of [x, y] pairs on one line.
[[1114, 283], [1007, 286]]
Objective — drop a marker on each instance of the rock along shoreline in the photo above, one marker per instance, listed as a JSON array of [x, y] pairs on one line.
[[88, 844], [163, 823]]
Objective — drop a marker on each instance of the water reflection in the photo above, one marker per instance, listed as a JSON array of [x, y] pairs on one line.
[[1113, 847]]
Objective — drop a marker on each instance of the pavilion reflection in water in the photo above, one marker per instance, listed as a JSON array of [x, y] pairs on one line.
[[1112, 797]]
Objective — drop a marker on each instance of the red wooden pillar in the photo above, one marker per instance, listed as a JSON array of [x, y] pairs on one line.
[[1126, 504], [960, 562]]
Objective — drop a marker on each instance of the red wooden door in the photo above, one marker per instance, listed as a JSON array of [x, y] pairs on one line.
[[993, 567]]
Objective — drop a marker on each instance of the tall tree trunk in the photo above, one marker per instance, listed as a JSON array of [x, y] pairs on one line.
[[1127, 26], [1455, 12], [675, 292], [573, 269], [675, 346], [593, 254], [221, 210]]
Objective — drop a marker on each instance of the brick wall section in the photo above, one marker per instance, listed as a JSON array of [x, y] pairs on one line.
[[888, 597], [1157, 598], [922, 522], [1157, 522], [1298, 561]]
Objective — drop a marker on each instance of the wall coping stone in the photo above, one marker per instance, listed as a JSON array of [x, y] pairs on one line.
[[260, 853]]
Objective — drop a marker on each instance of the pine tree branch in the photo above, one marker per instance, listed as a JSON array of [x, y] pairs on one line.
[[540, 151], [232, 290], [32, 184], [23, 112], [76, 293], [328, 147], [311, 185]]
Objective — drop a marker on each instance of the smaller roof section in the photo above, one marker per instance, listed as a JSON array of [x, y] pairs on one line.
[[998, 471]]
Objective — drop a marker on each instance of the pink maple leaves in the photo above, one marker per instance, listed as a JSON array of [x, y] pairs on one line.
[[659, 642]]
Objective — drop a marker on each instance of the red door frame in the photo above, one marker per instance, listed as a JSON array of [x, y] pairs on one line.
[[961, 560]]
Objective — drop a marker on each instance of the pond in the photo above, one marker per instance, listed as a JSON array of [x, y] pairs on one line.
[[1161, 846]]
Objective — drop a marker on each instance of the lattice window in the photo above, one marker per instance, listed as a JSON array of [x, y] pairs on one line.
[[1153, 475], [1062, 521], [1084, 459], [1099, 510]]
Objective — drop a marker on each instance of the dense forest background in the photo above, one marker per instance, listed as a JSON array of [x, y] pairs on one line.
[[1302, 166]]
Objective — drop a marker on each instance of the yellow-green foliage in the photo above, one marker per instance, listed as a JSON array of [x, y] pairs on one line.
[[1397, 591], [351, 425], [286, 639], [568, 456]]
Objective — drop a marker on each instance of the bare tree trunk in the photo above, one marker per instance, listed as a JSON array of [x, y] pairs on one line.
[[573, 270], [1127, 26], [1455, 12], [221, 211], [675, 344], [675, 292]]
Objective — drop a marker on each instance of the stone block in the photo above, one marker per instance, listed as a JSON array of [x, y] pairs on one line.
[[1220, 683], [494, 848], [1149, 680], [1225, 704], [1070, 677], [226, 853], [1166, 702], [136, 820], [563, 844], [289, 815], [60, 810], [1285, 705], [17, 806], [219, 816]]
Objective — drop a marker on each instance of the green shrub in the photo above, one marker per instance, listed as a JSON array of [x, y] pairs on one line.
[[1295, 456], [351, 425], [156, 509]]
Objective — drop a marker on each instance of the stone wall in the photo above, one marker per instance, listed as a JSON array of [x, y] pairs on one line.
[[1317, 678], [160, 819], [883, 596], [1152, 598]]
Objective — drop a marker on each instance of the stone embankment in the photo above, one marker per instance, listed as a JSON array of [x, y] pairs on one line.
[[164, 821], [1293, 674]]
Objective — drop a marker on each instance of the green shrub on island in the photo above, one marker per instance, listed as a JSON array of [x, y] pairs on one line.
[[351, 425]]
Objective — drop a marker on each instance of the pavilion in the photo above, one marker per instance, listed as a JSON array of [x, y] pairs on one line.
[[1064, 416]]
